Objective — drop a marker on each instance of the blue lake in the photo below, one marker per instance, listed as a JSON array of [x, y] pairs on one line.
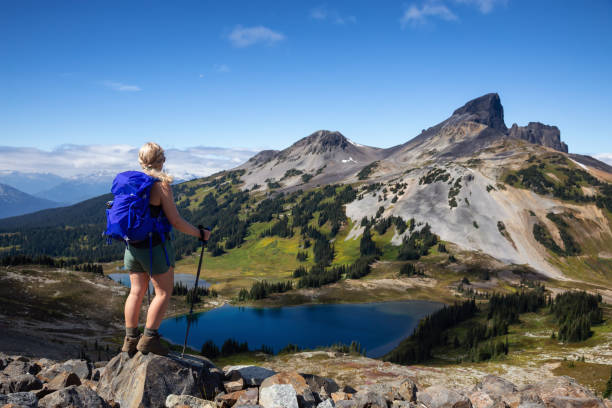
[[184, 278], [379, 327]]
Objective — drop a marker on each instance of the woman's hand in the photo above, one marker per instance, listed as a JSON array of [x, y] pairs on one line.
[[204, 233]]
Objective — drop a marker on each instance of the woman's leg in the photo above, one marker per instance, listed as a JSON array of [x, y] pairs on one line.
[[163, 284], [138, 287]]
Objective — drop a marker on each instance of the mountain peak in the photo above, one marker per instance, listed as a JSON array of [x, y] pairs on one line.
[[323, 141], [486, 109], [328, 138]]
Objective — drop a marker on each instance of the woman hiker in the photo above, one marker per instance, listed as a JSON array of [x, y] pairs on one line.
[[137, 259]]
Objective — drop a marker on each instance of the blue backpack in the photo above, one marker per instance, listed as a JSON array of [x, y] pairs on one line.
[[128, 217]]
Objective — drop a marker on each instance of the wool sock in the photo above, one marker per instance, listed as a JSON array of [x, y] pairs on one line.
[[132, 331], [150, 332]]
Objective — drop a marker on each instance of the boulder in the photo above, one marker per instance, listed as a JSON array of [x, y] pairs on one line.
[[328, 403], [73, 397], [249, 397], [19, 399], [495, 386], [247, 406], [19, 367], [252, 375], [224, 400], [437, 396], [306, 398], [558, 387], [146, 380], [80, 367], [370, 399], [388, 391], [18, 383], [176, 401], [231, 386], [278, 396], [63, 380], [481, 399], [317, 383], [572, 402]]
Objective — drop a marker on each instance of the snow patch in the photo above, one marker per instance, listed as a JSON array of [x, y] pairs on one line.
[[353, 143], [350, 159], [580, 164]]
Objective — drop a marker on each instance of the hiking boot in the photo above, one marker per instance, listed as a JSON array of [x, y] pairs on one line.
[[152, 344], [129, 345]]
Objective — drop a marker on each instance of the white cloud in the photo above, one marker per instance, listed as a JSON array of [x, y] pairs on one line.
[[246, 36], [221, 68], [73, 160], [604, 157], [322, 13], [417, 15], [485, 6], [319, 13], [119, 86]]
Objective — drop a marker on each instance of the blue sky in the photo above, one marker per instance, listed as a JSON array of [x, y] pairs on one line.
[[262, 74]]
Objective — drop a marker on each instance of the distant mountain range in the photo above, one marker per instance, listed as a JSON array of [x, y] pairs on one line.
[[47, 190], [14, 202], [62, 190]]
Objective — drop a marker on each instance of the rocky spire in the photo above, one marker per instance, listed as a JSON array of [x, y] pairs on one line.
[[487, 110], [538, 133]]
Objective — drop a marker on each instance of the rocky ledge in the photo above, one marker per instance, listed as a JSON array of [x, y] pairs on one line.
[[154, 381]]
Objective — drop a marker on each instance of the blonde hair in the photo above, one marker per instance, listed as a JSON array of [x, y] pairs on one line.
[[151, 158]]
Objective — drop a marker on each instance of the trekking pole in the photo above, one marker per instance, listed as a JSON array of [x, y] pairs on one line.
[[195, 289]]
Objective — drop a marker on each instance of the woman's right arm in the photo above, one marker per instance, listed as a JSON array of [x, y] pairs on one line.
[[171, 212]]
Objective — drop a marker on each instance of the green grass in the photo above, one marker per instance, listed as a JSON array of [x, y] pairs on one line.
[[258, 258], [347, 251]]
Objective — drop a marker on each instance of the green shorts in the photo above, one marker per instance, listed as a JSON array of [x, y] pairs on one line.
[[137, 259]]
